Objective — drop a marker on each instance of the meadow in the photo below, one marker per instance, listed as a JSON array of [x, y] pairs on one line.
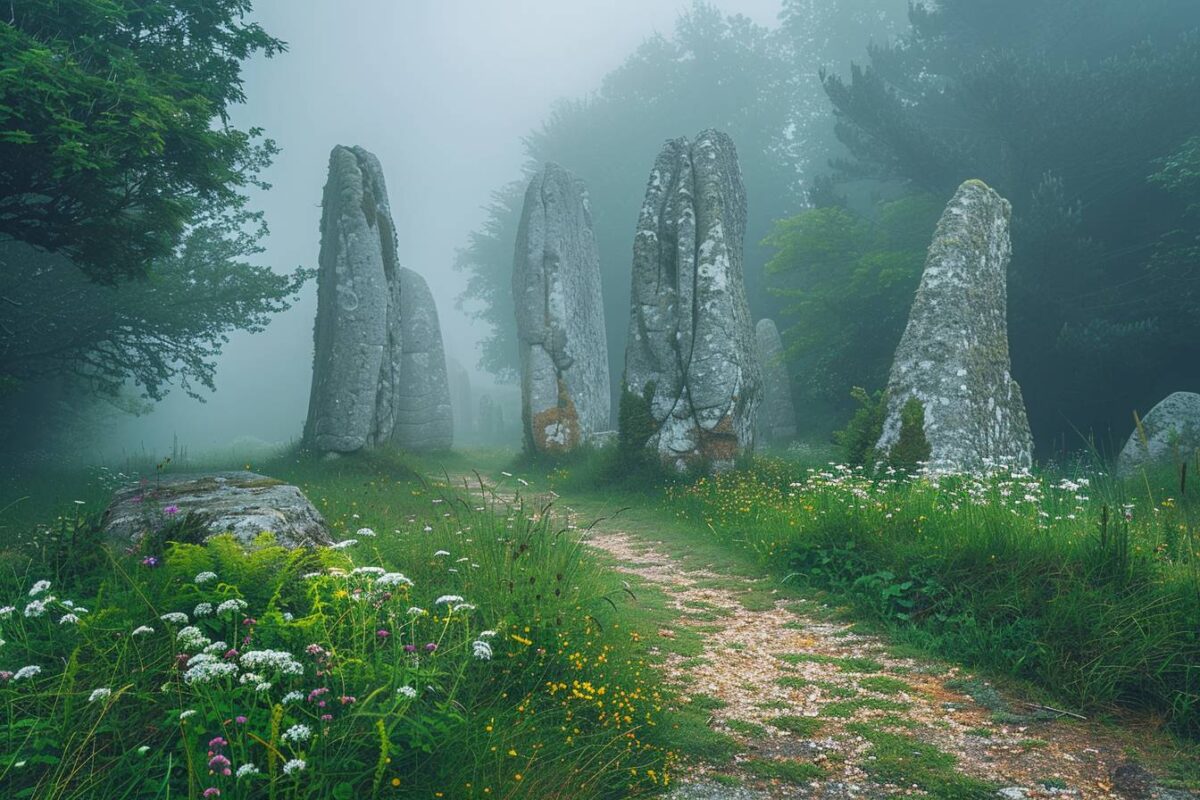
[[449, 645], [1087, 586]]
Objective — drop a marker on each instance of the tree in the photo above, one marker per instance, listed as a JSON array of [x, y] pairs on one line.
[[1065, 108], [848, 279], [114, 127], [169, 328]]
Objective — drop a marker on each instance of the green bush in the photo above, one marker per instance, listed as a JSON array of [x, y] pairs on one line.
[[861, 434]]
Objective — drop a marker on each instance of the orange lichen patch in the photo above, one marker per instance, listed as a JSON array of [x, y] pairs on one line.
[[721, 443], [557, 430]]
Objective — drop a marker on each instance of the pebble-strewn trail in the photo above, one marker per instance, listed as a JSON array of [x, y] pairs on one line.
[[824, 712]]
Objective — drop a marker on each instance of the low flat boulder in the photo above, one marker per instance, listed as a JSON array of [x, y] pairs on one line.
[[242, 503], [1169, 435]]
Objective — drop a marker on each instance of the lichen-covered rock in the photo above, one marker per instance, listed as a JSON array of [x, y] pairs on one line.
[[953, 357], [242, 503], [777, 416], [424, 420], [1172, 435], [356, 337], [691, 355], [560, 315]]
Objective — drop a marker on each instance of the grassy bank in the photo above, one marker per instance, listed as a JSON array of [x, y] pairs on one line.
[[448, 647], [1090, 591]]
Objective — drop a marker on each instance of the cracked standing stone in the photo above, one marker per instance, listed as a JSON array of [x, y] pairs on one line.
[[690, 364], [560, 316], [356, 336], [777, 416], [424, 419], [953, 356]]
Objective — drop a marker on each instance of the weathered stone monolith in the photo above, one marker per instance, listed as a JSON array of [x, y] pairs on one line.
[[953, 357], [691, 372], [777, 416], [1168, 436], [461, 399], [424, 419], [560, 315], [357, 347]]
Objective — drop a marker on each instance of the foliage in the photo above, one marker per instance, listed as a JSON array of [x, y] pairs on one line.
[[168, 327], [1065, 108], [911, 449], [861, 434], [1089, 592], [848, 280], [114, 125], [471, 650]]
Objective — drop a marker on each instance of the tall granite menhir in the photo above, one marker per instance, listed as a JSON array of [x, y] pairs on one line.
[[560, 316], [379, 374], [357, 333], [692, 380], [777, 416], [953, 357]]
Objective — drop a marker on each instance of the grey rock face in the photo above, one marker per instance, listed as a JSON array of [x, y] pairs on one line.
[[357, 334], [1172, 435], [777, 416], [560, 315], [953, 356], [242, 503], [690, 358], [423, 417]]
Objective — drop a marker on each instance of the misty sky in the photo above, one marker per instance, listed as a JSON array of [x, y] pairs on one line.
[[442, 91]]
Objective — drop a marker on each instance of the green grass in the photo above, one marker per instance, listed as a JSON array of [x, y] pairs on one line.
[[884, 685], [745, 728], [904, 761], [844, 664], [798, 772], [801, 726], [848, 708]]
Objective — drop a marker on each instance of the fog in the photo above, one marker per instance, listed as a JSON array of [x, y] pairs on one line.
[[442, 91]]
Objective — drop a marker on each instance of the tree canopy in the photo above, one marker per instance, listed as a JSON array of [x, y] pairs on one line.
[[114, 128]]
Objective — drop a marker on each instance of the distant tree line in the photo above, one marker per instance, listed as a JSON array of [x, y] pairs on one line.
[[1081, 113]]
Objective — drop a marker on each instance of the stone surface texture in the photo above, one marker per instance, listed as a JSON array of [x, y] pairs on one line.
[[777, 416], [691, 347], [565, 393], [357, 346], [461, 399], [242, 503], [953, 356], [424, 420], [1172, 435]]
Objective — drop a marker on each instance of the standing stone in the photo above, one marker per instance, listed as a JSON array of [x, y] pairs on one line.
[[691, 371], [777, 416], [460, 399], [357, 347], [424, 419], [560, 315], [953, 357], [1168, 436]]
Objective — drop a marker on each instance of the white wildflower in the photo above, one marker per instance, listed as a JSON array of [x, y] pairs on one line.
[[68, 619], [6, 612], [24, 673], [448, 599], [246, 769], [203, 610], [99, 694], [297, 733], [233, 604], [205, 577], [192, 637], [38, 588], [407, 691], [367, 571], [277, 660], [441, 553], [35, 608], [415, 612], [487, 634], [393, 579], [464, 607], [216, 647], [482, 650], [292, 697], [294, 766], [191, 712], [342, 545], [175, 618], [367, 532]]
